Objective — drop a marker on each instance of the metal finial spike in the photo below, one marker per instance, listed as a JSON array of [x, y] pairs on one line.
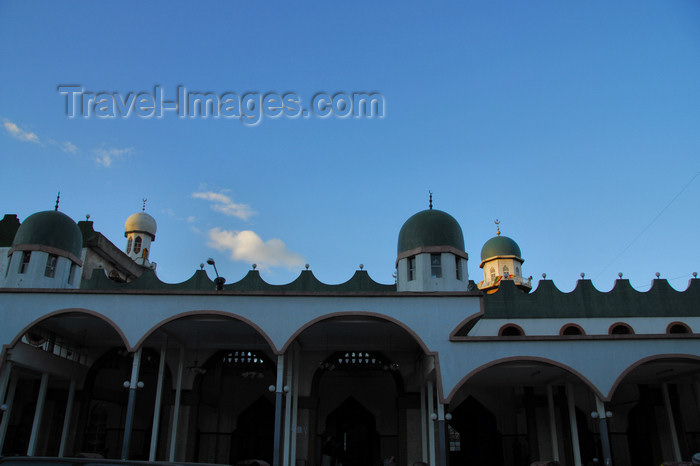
[[58, 198], [498, 230], [143, 209], [430, 200]]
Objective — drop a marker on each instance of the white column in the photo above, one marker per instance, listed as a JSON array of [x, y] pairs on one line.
[[287, 415], [66, 419], [38, 412], [8, 412], [278, 411], [671, 423], [442, 434], [176, 406], [552, 424], [424, 417], [157, 407], [572, 424], [604, 436], [131, 403], [431, 425], [295, 405]]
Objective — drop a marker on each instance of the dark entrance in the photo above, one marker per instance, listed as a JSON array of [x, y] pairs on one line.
[[353, 429], [479, 437], [254, 436]]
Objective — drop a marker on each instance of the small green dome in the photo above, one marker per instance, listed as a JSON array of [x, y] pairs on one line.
[[50, 228], [430, 228], [500, 246]]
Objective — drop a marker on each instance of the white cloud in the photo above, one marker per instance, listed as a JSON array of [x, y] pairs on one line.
[[224, 204], [69, 147], [17, 132], [105, 157], [247, 246]]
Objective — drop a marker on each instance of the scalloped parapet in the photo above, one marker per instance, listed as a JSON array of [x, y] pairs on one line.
[[547, 301], [360, 282]]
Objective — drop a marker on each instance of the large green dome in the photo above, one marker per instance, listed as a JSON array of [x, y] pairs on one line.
[[50, 228], [500, 246], [430, 228]]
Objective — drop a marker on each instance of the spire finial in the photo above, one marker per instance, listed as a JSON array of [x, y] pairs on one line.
[[498, 230], [430, 200], [143, 209], [58, 198]]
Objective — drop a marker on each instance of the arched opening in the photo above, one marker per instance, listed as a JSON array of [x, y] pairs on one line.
[[481, 443], [254, 434], [235, 410], [106, 401], [506, 414], [227, 367], [511, 330], [676, 328], [363, 391], [54, 354], [620, 328], [571, 329], [351, 429], [653, 401]]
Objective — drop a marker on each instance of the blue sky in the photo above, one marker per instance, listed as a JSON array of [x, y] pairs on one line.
[[576, 125]]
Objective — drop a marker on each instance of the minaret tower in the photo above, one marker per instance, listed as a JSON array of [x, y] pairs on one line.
[[430, 253], [500, 259], [140, 232]]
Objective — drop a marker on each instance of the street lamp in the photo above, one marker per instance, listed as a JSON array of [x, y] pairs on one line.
[[219, 281]]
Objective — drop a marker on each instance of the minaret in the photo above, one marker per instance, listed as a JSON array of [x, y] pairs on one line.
[[140, 232], [500, 259], [430, 253], [46, 252]]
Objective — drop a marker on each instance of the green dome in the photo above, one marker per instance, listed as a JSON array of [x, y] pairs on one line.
[[50, 228], [430, 228], [500, 246]]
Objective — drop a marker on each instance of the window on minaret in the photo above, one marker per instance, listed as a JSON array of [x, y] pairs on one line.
[[435, 266], [411, 268], [50, 270], [137, 245], [458, 267], [517, 271], [26, 256], [128, 244], [493, 274], [506, 272]]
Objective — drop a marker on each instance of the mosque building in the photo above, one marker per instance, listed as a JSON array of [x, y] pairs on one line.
[[101, 358]]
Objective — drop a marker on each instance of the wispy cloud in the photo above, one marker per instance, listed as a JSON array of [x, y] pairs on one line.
[[224, 204], [103, 156], [106, 156], [68, 147], [247, 246], [18, 133]]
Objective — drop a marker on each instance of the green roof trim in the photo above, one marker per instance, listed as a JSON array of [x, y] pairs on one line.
[[430, 228], [87, 229], [509, 302], [8, 229], [50, 228], [252, 282]]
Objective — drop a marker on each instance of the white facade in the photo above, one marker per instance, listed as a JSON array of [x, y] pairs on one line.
[[421, 370]]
